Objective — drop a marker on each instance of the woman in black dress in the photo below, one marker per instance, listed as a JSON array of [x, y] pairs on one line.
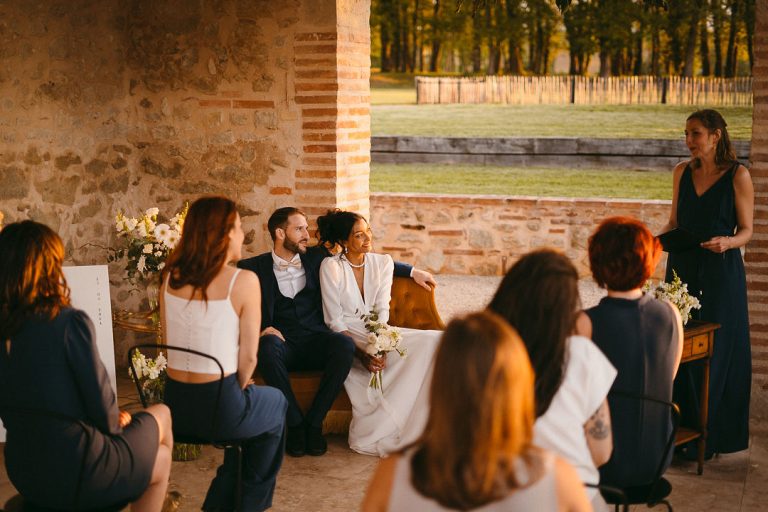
[[643, 338], [49, 362], [713, 198]]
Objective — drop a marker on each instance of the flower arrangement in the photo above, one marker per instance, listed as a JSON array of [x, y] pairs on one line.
[[147, 243], [675, 292], [151, 374], [382, 338]]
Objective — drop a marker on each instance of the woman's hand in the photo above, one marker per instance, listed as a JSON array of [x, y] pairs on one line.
[[372, 363], [718, 244], [124, 419]]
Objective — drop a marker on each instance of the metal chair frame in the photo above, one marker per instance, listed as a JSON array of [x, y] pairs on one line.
[[658, 478], [223, 444]]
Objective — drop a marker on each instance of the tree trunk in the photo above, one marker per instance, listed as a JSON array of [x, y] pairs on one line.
[[717, 28], [415, 44], [730, 54], [605, 63], [655, 50], [434, 57], [690, 43], [704, 48], [514, 60], [638, 67]]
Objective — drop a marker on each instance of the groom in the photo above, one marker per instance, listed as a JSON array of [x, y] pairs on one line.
[[293, 332]]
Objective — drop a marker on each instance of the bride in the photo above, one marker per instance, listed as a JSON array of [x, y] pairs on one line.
[[353, 283]]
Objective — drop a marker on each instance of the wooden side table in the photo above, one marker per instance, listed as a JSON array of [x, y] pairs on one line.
[[698, 342]]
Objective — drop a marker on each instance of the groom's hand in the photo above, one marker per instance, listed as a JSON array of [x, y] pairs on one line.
[[272, 331], [423, 279]]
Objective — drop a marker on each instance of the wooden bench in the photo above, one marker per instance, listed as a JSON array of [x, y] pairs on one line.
[[411, 306]]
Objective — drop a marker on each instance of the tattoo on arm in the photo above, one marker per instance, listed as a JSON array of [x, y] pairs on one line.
[[599, 429]]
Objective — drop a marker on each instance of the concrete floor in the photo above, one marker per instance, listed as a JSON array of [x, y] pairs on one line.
[[337, 480]]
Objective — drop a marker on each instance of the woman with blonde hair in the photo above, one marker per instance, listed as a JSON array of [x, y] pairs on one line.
[[476, 452]]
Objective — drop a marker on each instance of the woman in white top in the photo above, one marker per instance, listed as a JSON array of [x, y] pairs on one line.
[[539, 297], [354, 283], [209, 306], [477, 452]]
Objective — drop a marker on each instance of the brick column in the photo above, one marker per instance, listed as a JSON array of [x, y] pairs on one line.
[[756, 255], [332, 71]]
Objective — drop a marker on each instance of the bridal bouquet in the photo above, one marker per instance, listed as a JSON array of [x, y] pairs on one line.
[[147, 242], [382, 338], [675, 292], [151, 374]]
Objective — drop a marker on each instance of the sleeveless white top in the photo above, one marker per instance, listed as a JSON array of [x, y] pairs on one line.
[[212, 328], [540, 495]]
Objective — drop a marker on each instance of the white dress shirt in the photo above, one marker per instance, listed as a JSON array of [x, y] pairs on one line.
[[290, 275]]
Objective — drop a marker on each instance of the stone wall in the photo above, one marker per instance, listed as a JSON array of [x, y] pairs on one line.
[[122, 105], [485, 235], [757, 249]]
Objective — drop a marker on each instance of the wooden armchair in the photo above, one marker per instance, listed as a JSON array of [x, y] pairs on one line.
[[410, 306]]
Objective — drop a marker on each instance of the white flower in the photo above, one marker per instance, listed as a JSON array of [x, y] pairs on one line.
[[130, 224], [152, 212], [148, 249], [141, 265], [161, 265], [162, 231]]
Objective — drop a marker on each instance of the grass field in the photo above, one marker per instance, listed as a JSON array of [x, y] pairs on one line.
[[506, 181], [630, 121]]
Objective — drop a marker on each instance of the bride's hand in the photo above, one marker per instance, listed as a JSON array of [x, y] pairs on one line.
[[372, 363]]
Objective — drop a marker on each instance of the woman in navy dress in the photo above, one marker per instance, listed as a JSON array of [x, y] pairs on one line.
[[49, 363], [713, 197]]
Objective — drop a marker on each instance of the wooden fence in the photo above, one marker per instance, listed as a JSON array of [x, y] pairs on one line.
[[581, 90]]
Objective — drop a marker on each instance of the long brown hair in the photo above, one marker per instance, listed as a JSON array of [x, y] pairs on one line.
[[32, 282], [713, 120], [480, 415], [539, 297], [202, 250]]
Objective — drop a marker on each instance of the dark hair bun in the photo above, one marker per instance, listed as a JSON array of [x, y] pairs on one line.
[[336, 225]]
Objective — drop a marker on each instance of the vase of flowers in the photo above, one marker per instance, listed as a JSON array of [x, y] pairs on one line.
[[677, 293], [152, 374], [146, 245], [382, 338]]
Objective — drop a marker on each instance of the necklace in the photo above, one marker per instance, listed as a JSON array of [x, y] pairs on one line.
[[361, 265]]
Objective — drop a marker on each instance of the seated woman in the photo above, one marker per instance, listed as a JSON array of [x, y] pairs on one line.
[[354, 283], [476, 452], [643, 338], [539, 297], [49, 362], [209, 306]]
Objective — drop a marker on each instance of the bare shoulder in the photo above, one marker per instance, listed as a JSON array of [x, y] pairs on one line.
[[246, 281], [741, 175], [679, 168]]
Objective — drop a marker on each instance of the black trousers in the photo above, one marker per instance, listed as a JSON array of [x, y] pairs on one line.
[[331, 352]]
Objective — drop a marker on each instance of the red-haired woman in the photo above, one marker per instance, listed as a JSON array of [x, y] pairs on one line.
[[49, 362], [209, 306], [643, 339], [477, 449]]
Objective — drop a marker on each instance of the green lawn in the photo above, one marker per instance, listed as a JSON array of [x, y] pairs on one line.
[[642, 122], [507, 181]]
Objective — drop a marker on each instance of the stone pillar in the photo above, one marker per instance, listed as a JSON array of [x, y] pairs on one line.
[[333, 91], [756, 255]]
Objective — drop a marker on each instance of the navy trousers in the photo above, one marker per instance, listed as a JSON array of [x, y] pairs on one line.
[[255, 415], [331, 352]]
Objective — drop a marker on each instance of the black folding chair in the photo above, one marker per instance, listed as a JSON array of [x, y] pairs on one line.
[[618, 495], [180, 437], [659, 488], [27, 503]]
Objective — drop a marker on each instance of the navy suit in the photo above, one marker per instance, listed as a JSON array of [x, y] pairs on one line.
[[309, 344]]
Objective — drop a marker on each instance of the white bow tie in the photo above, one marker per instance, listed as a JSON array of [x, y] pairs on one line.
[[285, 265]]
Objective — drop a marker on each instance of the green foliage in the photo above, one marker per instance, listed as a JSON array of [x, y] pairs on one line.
[[519, 181], [522, 36]]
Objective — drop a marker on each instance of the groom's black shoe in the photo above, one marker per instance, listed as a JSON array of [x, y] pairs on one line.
[[296, 441], [316, 443]]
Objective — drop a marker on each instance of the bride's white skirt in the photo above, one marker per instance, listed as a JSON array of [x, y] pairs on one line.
[[384, 421]]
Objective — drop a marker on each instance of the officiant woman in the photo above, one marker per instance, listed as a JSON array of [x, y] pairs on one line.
[[713, 198]]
